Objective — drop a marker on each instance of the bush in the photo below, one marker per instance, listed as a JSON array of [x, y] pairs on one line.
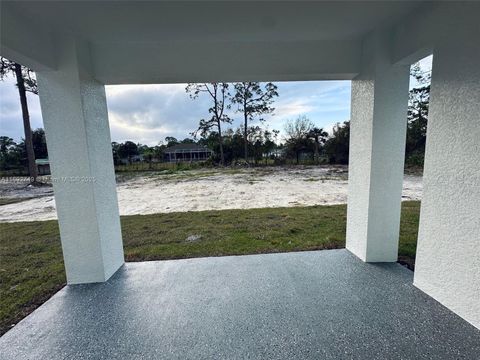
[[415, 159]]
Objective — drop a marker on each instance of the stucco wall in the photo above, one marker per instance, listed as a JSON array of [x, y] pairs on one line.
[[448, 250]]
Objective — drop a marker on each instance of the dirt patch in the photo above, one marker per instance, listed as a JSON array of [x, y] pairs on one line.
[[209, 189]]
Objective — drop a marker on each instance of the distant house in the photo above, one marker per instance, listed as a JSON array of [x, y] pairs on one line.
[[132, 159], [43, 166], [187, 153]]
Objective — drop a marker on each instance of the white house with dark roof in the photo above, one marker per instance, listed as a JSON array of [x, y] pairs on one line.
[[187, 153]]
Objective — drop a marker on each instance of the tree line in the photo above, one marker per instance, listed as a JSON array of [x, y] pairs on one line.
[[249, 143], [13, 155], [303, 143], [254, 100]]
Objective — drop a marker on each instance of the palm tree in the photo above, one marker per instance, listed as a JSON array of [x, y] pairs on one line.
[[319, 136]]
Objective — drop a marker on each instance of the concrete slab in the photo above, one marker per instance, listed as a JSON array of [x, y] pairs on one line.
[[308, 305]]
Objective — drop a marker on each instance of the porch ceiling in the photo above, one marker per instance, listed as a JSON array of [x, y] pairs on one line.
[[323, 304], [154, 21], [162, 41]]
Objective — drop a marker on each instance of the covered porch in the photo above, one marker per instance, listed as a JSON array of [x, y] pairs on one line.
[[309, 304]]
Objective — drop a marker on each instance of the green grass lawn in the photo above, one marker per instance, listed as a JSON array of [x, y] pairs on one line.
[[31, 265]]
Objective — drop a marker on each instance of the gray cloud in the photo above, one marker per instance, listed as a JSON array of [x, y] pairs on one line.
[[149, 113]]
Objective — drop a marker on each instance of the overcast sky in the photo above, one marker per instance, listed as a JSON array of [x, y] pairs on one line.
[[148, 113]]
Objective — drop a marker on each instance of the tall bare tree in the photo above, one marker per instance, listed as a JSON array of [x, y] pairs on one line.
[[218, 93], [253, 101], [25, 82]]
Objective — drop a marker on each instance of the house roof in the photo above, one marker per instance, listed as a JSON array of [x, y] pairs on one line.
[[184, 147]]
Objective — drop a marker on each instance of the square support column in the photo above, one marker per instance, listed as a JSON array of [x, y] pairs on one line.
[[75, 117], [447, 265], [377, 153]]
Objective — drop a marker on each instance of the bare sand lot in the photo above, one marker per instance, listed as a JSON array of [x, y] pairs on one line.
[[204, 189]]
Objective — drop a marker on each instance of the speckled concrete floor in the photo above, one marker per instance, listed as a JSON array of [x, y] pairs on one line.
[[318, 305]]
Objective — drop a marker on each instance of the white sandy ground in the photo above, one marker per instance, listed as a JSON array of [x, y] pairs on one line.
[[206, 189]]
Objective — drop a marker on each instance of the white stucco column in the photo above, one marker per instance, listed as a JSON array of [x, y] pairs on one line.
[[447, 265], [78, 138], [377, 153]]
